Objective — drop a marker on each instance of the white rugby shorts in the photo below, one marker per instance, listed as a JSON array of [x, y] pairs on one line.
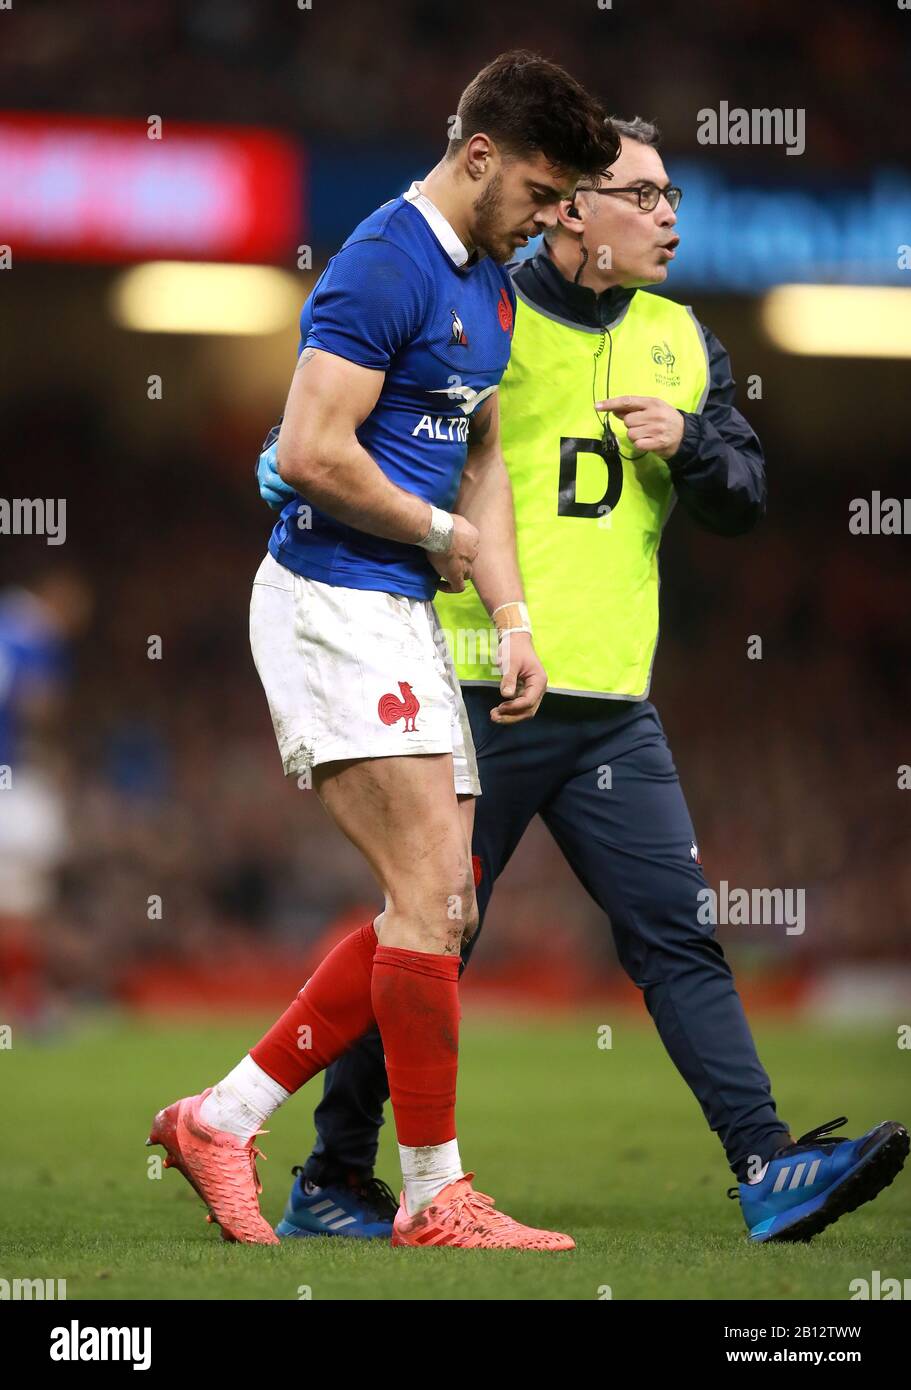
[[355, 673]]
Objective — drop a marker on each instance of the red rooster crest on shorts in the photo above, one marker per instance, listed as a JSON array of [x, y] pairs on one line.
[[391, 709]]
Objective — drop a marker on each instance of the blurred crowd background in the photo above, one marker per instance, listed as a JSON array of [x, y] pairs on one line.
[[159, 778], [353, 69]]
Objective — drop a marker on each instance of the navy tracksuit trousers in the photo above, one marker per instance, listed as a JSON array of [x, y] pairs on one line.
[[632, 847]]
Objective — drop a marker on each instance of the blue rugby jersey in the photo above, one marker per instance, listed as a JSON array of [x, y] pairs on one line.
[[399, 298], [33, 662]]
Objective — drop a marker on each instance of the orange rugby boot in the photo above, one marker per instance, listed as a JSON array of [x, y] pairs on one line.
[[459, 1216], [220, 1166]]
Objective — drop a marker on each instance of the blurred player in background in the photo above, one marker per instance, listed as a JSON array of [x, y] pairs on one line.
[[591, 501], [39, 620], [403, 343]]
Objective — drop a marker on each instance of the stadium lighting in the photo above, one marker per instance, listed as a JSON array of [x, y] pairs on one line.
[[194, 297], [839, 320]]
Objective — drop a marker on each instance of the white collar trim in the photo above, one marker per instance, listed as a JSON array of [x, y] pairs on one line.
[[442, 230]]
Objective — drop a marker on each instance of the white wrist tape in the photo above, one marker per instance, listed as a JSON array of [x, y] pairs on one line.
[[439, 537], [514, 617]]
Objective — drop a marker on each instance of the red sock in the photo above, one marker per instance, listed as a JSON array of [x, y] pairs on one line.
[[331, 1012], [416, 1005]]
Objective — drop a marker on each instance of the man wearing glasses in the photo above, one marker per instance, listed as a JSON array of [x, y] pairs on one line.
[[615, 405]]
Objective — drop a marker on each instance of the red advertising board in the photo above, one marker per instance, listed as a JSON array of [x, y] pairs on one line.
[[95, 189]]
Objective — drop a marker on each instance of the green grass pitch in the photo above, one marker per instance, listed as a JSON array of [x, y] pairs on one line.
[[606, 1144]]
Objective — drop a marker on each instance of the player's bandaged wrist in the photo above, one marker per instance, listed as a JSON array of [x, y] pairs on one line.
[[511, 617], [439, 538]]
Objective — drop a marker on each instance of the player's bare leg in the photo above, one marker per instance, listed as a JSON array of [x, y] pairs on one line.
[[423, 864], [403, 815]]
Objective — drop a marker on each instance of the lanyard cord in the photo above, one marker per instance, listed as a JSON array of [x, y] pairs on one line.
[[602, 419], [610, 439]]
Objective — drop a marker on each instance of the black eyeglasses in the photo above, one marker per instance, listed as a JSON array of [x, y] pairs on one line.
[[648, 194]]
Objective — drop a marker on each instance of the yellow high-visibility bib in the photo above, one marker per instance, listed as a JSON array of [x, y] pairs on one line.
[[588, 524]]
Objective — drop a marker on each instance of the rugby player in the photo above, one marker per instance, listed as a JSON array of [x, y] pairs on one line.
[[404, 341]]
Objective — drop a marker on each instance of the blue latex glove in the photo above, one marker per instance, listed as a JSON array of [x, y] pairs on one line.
[[272, 488]]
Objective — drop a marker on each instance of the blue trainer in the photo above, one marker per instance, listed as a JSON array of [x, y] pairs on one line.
[[363, 1207], [808, 1185]]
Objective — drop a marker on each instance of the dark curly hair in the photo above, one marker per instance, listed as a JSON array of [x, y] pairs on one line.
[[527, 104]]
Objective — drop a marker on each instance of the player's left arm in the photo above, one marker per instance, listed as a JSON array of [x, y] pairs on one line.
[[715, 459], [485, 499]]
